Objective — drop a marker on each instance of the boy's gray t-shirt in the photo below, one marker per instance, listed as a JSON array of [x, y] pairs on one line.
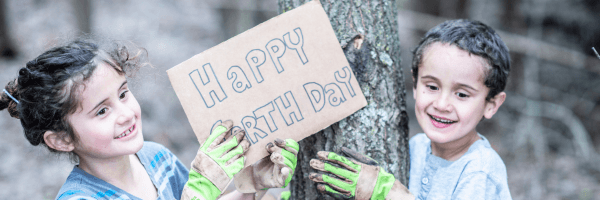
[[478, 174]]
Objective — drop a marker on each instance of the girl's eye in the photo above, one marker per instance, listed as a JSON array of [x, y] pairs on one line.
[[101, 112], [462, 95], [124, 94], [431, 87]]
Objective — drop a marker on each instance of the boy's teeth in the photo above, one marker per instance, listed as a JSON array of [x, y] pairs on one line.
[[442, 120]]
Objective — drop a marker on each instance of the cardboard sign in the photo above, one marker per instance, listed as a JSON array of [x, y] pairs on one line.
[[285, 78]]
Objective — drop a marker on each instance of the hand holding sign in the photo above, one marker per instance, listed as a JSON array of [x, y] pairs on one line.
[[215, 164], [274, 171]]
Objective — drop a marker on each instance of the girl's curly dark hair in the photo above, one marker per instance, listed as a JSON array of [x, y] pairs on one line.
[[47, 87]]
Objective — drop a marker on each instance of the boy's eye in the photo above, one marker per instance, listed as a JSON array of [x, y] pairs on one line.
[[461, 95], [123, 95], [431, 87], [101, 112]]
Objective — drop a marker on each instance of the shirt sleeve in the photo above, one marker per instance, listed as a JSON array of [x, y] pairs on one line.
[[180, 175]]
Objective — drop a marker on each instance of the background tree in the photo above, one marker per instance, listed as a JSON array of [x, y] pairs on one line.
[[83, 12], [368, 34], [6, 47]]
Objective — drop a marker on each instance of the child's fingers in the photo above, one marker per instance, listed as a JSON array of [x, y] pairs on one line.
[[289, 151], [278, 159], [241, 145], [325, 189], [337, 159], [271, 148], [320, 178], [281, 168], [239, 135], [230, 143], [341, 172], [289, 159], [235, 166], [289, 145], [337, 184], [359, 157], [285, 174], [245, 145], [326, 167], [317, 165], [316, 177], [282, 164], [227, 124], [239, 150], [236, 153], [223, 149], [217, 135]]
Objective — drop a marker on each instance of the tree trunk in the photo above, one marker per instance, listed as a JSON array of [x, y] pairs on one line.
[[7, 49], [83, 13], [368, 33]]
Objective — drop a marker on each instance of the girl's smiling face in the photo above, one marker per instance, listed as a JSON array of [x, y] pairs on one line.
[[108, 123], [450, 95]]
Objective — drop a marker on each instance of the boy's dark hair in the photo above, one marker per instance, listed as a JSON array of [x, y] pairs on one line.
[[475, 38], [47, 87]]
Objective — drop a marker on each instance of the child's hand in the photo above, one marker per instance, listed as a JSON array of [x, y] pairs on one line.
[[216, 163], [274, 171], [356, 178]]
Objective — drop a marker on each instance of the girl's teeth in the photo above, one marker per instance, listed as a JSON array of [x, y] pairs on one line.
[[126, 133]]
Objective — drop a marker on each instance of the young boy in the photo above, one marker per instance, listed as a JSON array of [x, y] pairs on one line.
[[459, 70]]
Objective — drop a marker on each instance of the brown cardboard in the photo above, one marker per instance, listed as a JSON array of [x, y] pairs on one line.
[[291, 65]]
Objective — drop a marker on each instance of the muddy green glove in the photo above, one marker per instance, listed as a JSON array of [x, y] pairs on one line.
[[273, 171], [358, 177], [216, 163]]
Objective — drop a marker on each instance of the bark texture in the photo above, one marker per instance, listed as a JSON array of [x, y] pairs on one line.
[[7, 49], [368, 33]]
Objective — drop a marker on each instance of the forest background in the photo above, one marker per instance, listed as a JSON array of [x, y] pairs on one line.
[[547, 132]]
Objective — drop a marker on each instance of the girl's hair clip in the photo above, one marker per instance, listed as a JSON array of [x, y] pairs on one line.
[[13, 98]]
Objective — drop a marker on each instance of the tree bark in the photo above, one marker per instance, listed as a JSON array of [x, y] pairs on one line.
[[368, 33], [7, 49], [83, 13]]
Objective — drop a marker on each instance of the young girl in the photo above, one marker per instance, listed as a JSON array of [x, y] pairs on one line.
[[75, 99]]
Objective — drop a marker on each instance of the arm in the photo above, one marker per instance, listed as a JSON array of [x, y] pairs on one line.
[[215, 164], [357, 178]]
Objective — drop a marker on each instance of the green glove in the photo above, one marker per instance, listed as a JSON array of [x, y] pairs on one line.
[[357, 178], [274, 171], [216, 163], [285, 195], [289, 150]]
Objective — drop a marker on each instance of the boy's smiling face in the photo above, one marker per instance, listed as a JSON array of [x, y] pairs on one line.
[[450, 95]]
